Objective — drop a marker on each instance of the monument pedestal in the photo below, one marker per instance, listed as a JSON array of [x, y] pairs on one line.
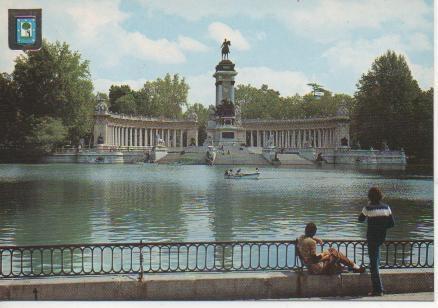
[[158, 153]]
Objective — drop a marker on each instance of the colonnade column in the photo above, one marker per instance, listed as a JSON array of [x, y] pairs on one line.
[[258, 138], [125, 137], [294, 141], [118, 135]]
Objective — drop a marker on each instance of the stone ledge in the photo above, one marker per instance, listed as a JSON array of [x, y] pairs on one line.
[[213, 286]]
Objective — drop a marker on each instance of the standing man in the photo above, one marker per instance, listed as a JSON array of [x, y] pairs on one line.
[[379, 217]]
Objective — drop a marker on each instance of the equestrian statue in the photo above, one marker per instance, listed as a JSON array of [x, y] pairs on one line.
[[225, 49]]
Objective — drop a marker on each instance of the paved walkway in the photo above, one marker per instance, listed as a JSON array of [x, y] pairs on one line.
[[421, 296]]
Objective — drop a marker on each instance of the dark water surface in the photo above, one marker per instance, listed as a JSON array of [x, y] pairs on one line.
[[61, 203]]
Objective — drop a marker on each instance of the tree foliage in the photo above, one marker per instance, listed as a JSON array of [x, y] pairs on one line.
[[161, 97], [9, 112], [55, 82], [391, 107], [266, 103], [116, 92], [47, 133], [202, 114]]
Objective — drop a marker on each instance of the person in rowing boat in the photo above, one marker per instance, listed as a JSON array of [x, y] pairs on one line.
[[238, 171]]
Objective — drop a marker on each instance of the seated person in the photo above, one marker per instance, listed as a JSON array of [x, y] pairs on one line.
[[328, 262]]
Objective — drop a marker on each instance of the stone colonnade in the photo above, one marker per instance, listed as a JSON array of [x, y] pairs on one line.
[[129, 131], [142, 137], [294, 138], [321, 133]]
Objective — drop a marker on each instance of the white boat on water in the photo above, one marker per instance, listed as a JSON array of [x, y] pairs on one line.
[[254, 175]]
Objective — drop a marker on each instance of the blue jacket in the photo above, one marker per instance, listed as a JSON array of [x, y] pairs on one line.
[[379, 217]]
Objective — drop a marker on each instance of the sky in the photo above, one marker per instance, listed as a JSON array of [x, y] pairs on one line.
[[284, 44]]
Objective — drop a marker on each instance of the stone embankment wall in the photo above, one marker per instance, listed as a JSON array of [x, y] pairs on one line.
[[213, 286], [364, 157]]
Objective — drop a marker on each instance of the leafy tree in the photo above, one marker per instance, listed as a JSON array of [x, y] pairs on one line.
[[47, 133], [202, 114], [126, 104], [164, 97], [422, 123], [115, 92], [260, 103], [9, 112], [316, 88], [265, 103], [161, 97], [386, 104], [55, 82]]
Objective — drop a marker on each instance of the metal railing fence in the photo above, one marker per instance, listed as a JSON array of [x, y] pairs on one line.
[[167, 257]]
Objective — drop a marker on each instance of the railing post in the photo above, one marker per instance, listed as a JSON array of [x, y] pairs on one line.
[[140, 277]]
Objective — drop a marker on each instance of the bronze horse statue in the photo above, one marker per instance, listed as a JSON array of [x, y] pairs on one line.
[[225, 49]]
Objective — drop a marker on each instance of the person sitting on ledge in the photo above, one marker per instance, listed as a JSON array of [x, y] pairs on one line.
[[328, 262]]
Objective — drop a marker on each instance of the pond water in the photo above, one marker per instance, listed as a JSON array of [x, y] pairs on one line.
[[74, 203]]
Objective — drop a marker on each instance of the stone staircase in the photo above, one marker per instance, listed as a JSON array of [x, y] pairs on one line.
[[293, 159], [236, 156], [191, 158]]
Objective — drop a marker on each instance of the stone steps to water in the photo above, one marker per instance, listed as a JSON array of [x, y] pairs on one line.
[[293, 159], [186, 158], [240, 157]]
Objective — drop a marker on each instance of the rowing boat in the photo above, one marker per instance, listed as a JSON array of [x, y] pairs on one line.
[[254, 175]]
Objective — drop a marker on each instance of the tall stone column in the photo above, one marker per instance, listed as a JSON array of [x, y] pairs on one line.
[[322, 140], [287, 139], [130, 136], [146, 136], [318, 138], [172, 140], [181, 138], [141, 137], [331, 138], [258, 138], [292, 140], [125, 136], [113, 135], [120, 136]]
